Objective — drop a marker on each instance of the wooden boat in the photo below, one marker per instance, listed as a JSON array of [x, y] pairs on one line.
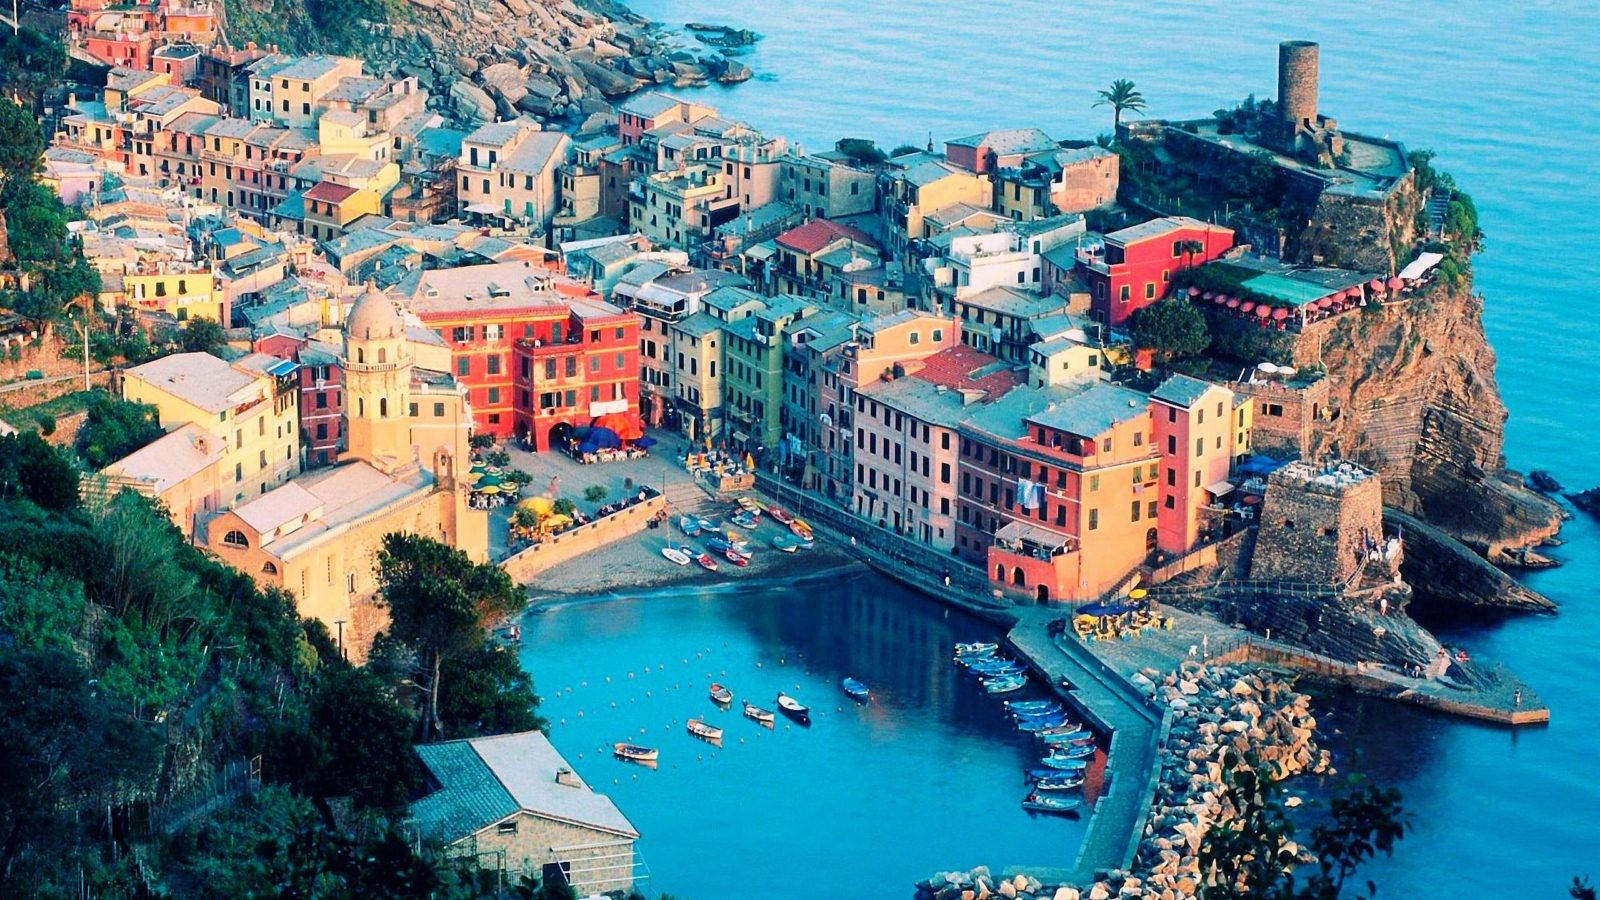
[[749, 504], [1074, 751], [801, 530], [1061, 782], [794, 709], [743, 520], [708, 525], [721, 695], [1064, 764], [676, 555], [731, 556], [785, 543], [764, 716], [977, 648], [856, 690], [1034, 725], [1038, 772], [700, 728], [1005, 685], [1037, 802], [1027, 707], [996, 666], [729, 548], [636, 753], [706, 562], [779, 514], [1070, 736], [1061, 736], [690, 525]]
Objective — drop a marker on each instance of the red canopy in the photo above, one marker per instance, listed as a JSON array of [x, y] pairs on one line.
[[1353, 293], [1247, 306], [1376, 284], [1280, 313], [1233, 302], [1206, 296], [1327, 302], [1219, 299], [1194, 292], [1396, 282], [1263, 311]]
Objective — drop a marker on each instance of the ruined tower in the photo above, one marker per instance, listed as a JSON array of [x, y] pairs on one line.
[[1297, 85], [1320, 523]]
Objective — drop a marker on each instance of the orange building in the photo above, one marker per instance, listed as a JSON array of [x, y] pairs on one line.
[[1194, 429]]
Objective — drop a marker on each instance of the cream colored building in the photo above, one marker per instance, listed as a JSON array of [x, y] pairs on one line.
[[249, 407], [319, 535], [182, 469]]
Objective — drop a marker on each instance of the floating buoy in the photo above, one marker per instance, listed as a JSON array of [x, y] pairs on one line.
[[647, 693], [758, 665], [563, 721], [630, 675], [580, 713], [583, 684]]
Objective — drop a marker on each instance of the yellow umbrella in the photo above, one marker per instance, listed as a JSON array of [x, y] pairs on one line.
[[489, 489], [472, 477], [749, 462], [1138, 594]]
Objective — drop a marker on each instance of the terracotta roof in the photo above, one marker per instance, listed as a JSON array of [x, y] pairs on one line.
[[963, 368], [818, 233], [329, 192]]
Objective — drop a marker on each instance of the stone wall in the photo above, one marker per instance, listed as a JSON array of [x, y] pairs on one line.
[[525, 564], [1363, 231], [1284, 419], [1317, 523], [536, 841]]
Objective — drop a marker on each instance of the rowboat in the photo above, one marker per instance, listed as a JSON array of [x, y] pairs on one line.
[[721, 695], [784, 543], [1005, 685], [976, 648], [801, 530], [701, 729], [857, 691], [1064, 764], [1075, 751], [1071, 737], [636, 753], [1054, 736], [676, 555], [794, 709], [711, 526], [764, 716], [998, 667], [743, 520], [690, 525], [749, 504], [706, 562], [1035, 725], [735, 558], [1037, 802], [1021, 707], [730, 549], [1061, 782], [779, 514], [1038, 772]]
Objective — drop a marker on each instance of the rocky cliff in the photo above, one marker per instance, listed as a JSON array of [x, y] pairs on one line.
[[555, 60], [1413, 396]]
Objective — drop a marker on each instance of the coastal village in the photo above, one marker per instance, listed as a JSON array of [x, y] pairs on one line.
[[963, 364]]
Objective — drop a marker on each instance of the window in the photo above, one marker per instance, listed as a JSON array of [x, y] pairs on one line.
[[464, 366], [1094, 519], [494, 395], [438, 410], [322, 399], [493, 364], [506, 827], [236, 538], [268, 568]]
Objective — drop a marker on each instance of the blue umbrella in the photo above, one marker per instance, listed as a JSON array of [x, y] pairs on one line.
[[645, 442]]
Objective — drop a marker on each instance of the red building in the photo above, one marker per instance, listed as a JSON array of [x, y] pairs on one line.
[[321, 384], [506, 324], [1137, 264]]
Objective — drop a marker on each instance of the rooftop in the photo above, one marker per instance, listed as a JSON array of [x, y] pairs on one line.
[[297, 515], [1008, 140], [1181, 391], [1158, 227], [1012, 302], [169, 459], [816, 234], [199, 379], [1092, 411]]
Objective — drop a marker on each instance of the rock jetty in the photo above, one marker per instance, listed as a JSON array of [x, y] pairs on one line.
[[1216, 712]]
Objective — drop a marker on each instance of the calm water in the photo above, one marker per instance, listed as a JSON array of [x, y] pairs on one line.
[[928, 776], [1504, 93]]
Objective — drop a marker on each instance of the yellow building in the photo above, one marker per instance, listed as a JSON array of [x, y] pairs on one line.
[[183, 290], [1243, 421], [342, 132], [924, 184], [299, 84], [249, 407], [1064, 360], [696, 359], [319, 535], [679, 209]]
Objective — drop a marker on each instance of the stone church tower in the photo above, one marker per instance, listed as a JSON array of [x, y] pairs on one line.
[[377, 367]]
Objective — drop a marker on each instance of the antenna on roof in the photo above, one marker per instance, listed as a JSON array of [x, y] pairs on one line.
[[930, 140]]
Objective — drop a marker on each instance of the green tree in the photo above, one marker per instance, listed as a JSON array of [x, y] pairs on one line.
[[201, 335], [362, 740], [1172, 328], [1122, 97], [439, 601], [861, 150], [594, 493], [32, 470], [29, 62], [486, 691], [113, 428], [903, 149], [21, 144]]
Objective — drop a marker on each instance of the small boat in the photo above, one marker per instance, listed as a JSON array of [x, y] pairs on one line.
[[725, 546], [1064, 764], [690, 525], [721, 695], [1055, 736], [710, 526], [676, 555], [702, 729], [785, 543], [1073, 751], [779, 514], [794, 709], [706, 562], [1059, 782], [1005, 685], [997, 667], [977, 648], [636, 753], [856, 690], [801, 530], [764, 716], [1038, 772], [1021, 707], [748, 504], [1032, 725], [1070, 737], [743, 520], [1038, 802], [735, 558]]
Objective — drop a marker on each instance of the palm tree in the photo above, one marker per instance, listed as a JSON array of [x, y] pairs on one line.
[[1122, 95]]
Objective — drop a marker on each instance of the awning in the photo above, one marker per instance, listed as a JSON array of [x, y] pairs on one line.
[[485, 209], [1220, 488], [1419, 267]]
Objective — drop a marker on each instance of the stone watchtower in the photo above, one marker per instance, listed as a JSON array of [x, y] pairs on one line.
[[1303, 131], [1319, 523]]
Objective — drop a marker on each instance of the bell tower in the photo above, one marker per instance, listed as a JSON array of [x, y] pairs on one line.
[[377, 382]]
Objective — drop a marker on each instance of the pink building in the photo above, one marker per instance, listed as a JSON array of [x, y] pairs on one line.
[[1193, 427], [1002, 149]]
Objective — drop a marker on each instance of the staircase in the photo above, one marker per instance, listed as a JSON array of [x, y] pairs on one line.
[[1438, 208]]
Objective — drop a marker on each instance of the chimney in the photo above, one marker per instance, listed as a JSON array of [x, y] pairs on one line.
[[568, 777]]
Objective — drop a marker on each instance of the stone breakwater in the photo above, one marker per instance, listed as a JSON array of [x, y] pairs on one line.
[[1214, 712]]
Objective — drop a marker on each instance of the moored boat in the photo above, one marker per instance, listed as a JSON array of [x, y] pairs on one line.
[[1060, 782], [856, 690], [976, 648], [764, 716], [1060, 734], [1037, 772], [1038, 802], [794, 709], [675, 555], [706, 562], [1026, 706], [710, 526], [1034, 725], [1064, 764], [749, 504], [735, 558], [801, 530], [743, 520], [1074, 751], [785, 543], [700, 728], [1005, 685], [636, 753], [779, 514], [720, 694], [690, 525]]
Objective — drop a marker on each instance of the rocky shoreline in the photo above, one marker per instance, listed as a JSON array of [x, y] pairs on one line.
[[1214, 712]]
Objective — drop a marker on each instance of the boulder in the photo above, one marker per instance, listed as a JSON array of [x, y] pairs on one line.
[[517, 7], [1100, 891], [1066, 893], [505, 81], [472, 101], [1189, 687], [1006, 890]]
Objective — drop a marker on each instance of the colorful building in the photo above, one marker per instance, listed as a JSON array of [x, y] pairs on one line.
[[1195, 426], [1136, 265]]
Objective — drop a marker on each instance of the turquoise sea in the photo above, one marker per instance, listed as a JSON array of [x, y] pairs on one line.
[[1505, 93]]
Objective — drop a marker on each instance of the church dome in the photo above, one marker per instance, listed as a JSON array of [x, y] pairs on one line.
[[374, 317]]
